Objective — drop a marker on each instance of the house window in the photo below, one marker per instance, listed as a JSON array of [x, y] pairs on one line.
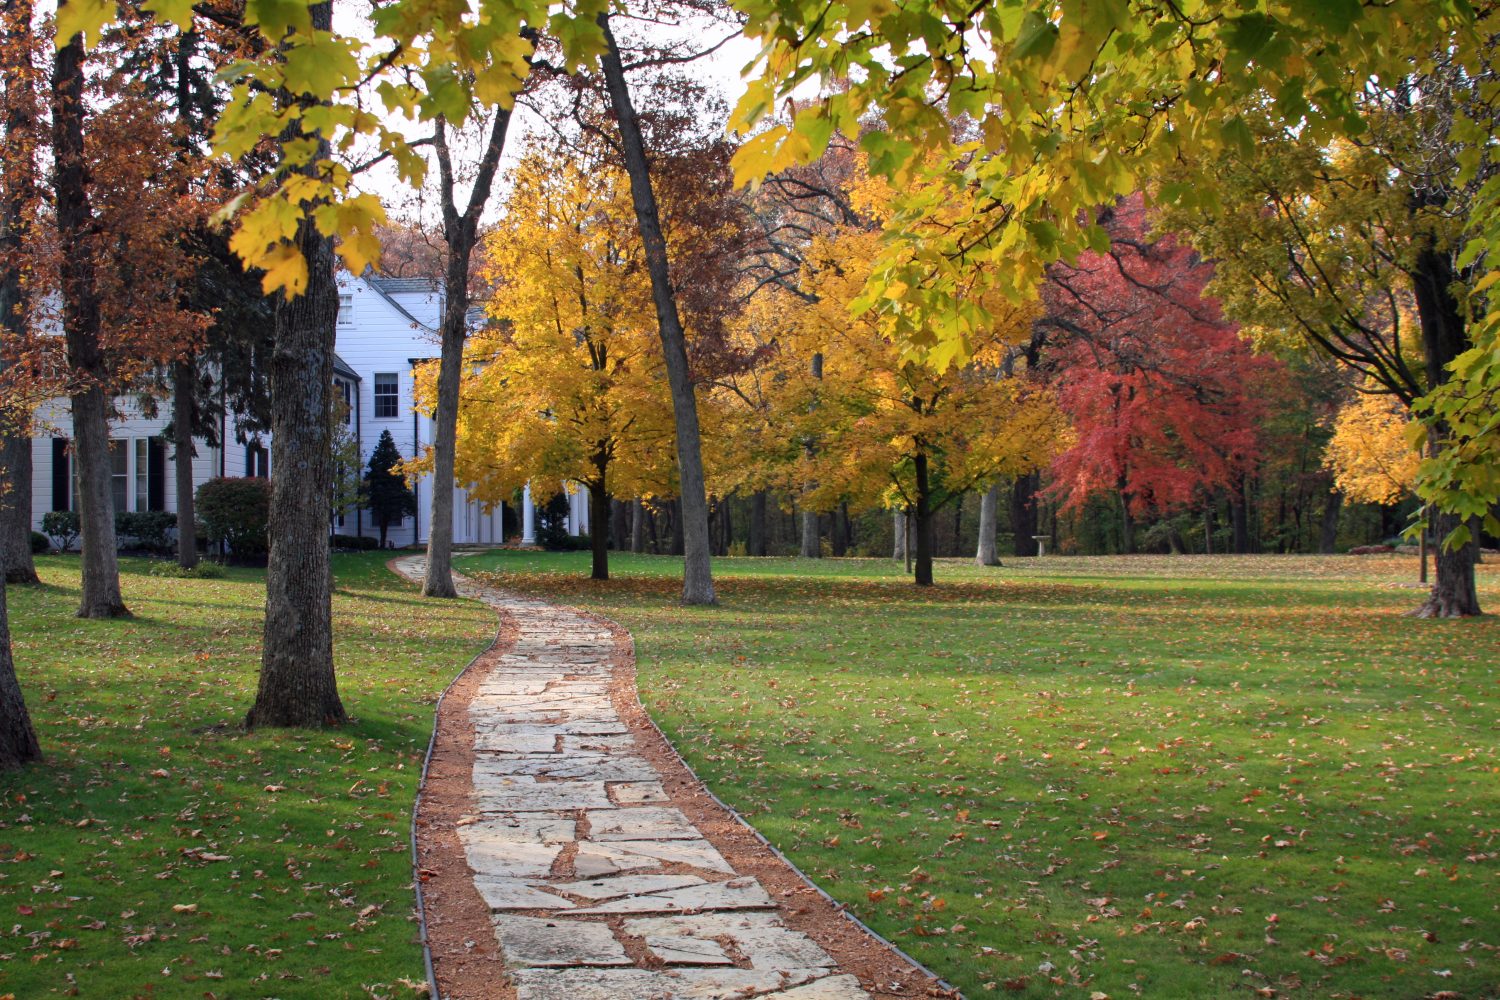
[[346, 309], [387, 394], [150, 474], [62, 498], [257, 461], [119, 474], [142, 474], [347, 391]]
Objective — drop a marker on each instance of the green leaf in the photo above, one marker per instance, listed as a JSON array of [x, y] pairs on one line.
[[1038, 36], [277, 17], [320, 65], [178, 12], [1249, 34], [82, 17]]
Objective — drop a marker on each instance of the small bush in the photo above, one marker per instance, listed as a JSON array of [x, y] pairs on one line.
[[62, 527], [151, 529], [358, 543], [202, 571], [40, 544], [236, 511]]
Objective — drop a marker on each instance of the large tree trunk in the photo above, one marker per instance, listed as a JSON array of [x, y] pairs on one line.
[[838, 531], [898, 525], [19, 183], [183, 377], [1328, 529], [1444, 337], [697, 575], [297, 685], [637, 525], [80, 300], [989, 509], [812, 544], [16, 562], [924, 523], [599, 520], [1023, 518], [18, 744], [756, 545], [460, 231]]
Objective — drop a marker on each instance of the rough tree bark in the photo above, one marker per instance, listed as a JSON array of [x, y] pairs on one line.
[[989, 509], [599, 516], [1023, 520], [19, 182], [183, 404], [756, 545], [460, 231], [811, 546], [898, 551], [1328, 529], [697, 575], [923, 576], [1444, 337], [80, 321], [297, 685], [18, 745]]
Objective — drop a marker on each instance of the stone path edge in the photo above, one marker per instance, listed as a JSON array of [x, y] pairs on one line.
[[635, 714], [623, 636], [416, 805], [882, 967]]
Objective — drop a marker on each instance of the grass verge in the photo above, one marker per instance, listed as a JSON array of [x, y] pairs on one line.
[[160, 851], [1156, 777]]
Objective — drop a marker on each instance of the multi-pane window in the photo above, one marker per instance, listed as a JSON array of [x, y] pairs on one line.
[[387, 396], [346, 309], [142, 474], [119, 473]]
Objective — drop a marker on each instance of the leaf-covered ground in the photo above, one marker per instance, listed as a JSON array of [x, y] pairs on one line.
[[1156, 777], [160, 851]]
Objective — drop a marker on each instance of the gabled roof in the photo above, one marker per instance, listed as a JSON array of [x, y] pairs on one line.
[[388, 288], [342, 370], [402, 286]]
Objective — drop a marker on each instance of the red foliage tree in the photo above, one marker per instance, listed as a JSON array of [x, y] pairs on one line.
[[1160, 387]]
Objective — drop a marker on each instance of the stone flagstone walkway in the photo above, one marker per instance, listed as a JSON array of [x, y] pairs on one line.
[[599, 889]]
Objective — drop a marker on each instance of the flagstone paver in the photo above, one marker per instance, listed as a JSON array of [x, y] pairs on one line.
[[581, 857]]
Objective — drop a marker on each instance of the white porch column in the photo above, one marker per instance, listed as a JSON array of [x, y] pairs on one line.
[[528, 518]]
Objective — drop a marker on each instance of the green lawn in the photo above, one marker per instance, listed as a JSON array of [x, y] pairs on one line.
[[1156, 777], [159, 851]]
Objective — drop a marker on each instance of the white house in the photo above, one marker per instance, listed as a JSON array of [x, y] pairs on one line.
[[386, 326]]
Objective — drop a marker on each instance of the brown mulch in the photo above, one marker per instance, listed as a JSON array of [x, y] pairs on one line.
[[465, 952]]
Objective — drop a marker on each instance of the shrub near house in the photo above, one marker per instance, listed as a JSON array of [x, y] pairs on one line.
[[236, 511]]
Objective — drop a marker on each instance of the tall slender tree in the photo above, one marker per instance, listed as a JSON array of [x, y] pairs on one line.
[[89, 400], [460, 233], [297, 685], [697, 576], [17, 205]]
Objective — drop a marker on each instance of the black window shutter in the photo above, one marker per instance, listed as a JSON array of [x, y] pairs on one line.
[[156, 474], [249, 459], [60, 473]]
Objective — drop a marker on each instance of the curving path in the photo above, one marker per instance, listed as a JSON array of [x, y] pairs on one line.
[[598, 888]]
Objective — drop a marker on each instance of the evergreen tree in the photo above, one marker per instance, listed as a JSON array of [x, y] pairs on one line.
[[389, 497]]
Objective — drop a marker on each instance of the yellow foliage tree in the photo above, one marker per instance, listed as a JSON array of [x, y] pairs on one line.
[[567, 386], [893, 428], [1370, 453]]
